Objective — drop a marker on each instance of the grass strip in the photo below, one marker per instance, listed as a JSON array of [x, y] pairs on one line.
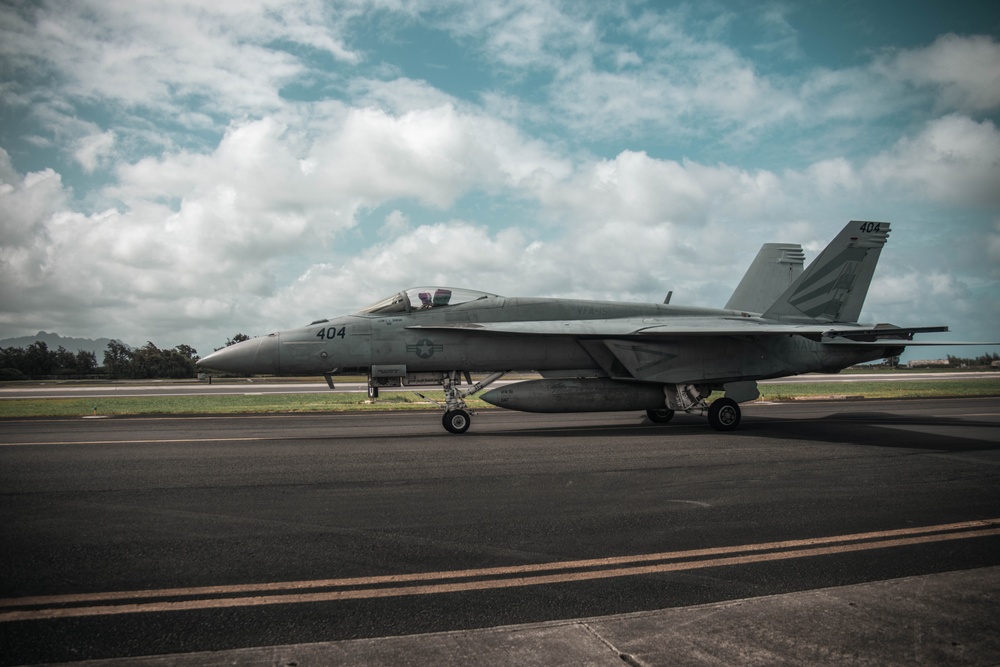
[[224, 404], [407, 400], [895, 389]]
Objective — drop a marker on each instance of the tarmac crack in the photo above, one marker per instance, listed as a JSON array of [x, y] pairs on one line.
[[627, 658]]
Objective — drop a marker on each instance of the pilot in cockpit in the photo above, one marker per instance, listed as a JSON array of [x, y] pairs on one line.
[[441, 297]]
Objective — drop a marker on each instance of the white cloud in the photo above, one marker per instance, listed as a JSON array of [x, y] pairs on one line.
[[954, 160], [834, 176], [26, 202], [270, 208], [94, 149], [965, 70], [432, 155], [398, 95], [154, 66], [153, 54], [8, 175], [954, 74], [248, 200], [852, 94], [687, 85], [633, 227], [265, 202], [453, 253], [656, 69], [635, 187], [396, 223], [935, 298], [524, 34], [993, 243]]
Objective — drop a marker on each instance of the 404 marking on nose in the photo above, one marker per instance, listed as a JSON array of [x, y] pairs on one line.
[[331, 332]]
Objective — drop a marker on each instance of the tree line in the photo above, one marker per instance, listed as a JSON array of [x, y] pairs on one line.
[[982, 360], [150, 362], [120, 361], [37, 359]]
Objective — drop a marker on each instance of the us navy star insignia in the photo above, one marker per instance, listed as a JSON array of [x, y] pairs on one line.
[[425, 348]]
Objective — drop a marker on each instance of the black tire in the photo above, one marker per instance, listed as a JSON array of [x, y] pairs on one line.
[[456, 421], [661, 416], [724, 414]]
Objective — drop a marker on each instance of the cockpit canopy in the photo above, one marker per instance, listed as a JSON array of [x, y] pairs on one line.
[[424, 298]]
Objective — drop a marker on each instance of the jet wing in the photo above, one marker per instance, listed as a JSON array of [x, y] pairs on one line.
[[617, 328], [599, 328], [674, 350], [675, 327]]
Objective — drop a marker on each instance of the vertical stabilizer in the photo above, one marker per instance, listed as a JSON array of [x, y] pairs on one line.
[[834, 287], [775, 268]]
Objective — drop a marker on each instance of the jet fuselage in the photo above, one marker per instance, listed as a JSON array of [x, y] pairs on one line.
[[409, 339]]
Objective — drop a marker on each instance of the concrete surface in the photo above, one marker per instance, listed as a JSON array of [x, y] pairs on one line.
[[941, 619]]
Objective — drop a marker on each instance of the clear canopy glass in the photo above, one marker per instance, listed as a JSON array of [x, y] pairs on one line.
[[424, 298]]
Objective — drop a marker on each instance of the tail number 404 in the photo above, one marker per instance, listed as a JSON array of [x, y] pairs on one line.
[[870, 227], [331, 332]]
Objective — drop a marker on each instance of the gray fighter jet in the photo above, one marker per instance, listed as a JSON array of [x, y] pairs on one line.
[[596, 356]]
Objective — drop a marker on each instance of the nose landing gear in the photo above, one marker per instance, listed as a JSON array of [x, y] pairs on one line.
[[456, 421], [457, 417]]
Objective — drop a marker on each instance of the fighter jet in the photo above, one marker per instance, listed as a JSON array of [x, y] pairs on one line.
[[596, 356]]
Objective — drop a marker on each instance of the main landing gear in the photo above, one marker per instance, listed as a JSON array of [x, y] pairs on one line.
[[723, 413], [661, 416]]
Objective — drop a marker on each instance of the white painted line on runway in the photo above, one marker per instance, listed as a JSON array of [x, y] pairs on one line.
[[358, 588], [130, 442]]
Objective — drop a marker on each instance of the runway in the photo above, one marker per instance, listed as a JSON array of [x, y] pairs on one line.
[[144, 536], [19, 390]]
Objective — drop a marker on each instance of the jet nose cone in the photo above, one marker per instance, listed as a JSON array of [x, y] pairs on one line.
[[257, 355]]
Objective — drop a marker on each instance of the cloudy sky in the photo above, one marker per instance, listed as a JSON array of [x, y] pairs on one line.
[[182, 171]]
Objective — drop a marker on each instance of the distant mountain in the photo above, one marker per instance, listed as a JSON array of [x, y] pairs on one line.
[[53, 340]]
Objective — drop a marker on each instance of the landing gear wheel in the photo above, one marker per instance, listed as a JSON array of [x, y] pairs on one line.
[[661, 416], [456, 421], [724, 414]]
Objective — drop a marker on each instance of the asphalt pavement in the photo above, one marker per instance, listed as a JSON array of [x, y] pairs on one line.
[[826, 532]]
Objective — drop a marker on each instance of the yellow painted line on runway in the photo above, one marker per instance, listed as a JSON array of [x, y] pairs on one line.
[[358, 588]]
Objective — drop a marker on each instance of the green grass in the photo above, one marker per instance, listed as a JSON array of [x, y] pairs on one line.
[[211, 404], [900, 389], [406, 400]]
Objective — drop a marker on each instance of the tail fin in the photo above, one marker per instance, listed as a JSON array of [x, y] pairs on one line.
[[776, 266], [835, 285]]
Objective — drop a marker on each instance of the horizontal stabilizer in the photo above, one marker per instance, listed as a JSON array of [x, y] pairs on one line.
[[890, 342], [877, 333]]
